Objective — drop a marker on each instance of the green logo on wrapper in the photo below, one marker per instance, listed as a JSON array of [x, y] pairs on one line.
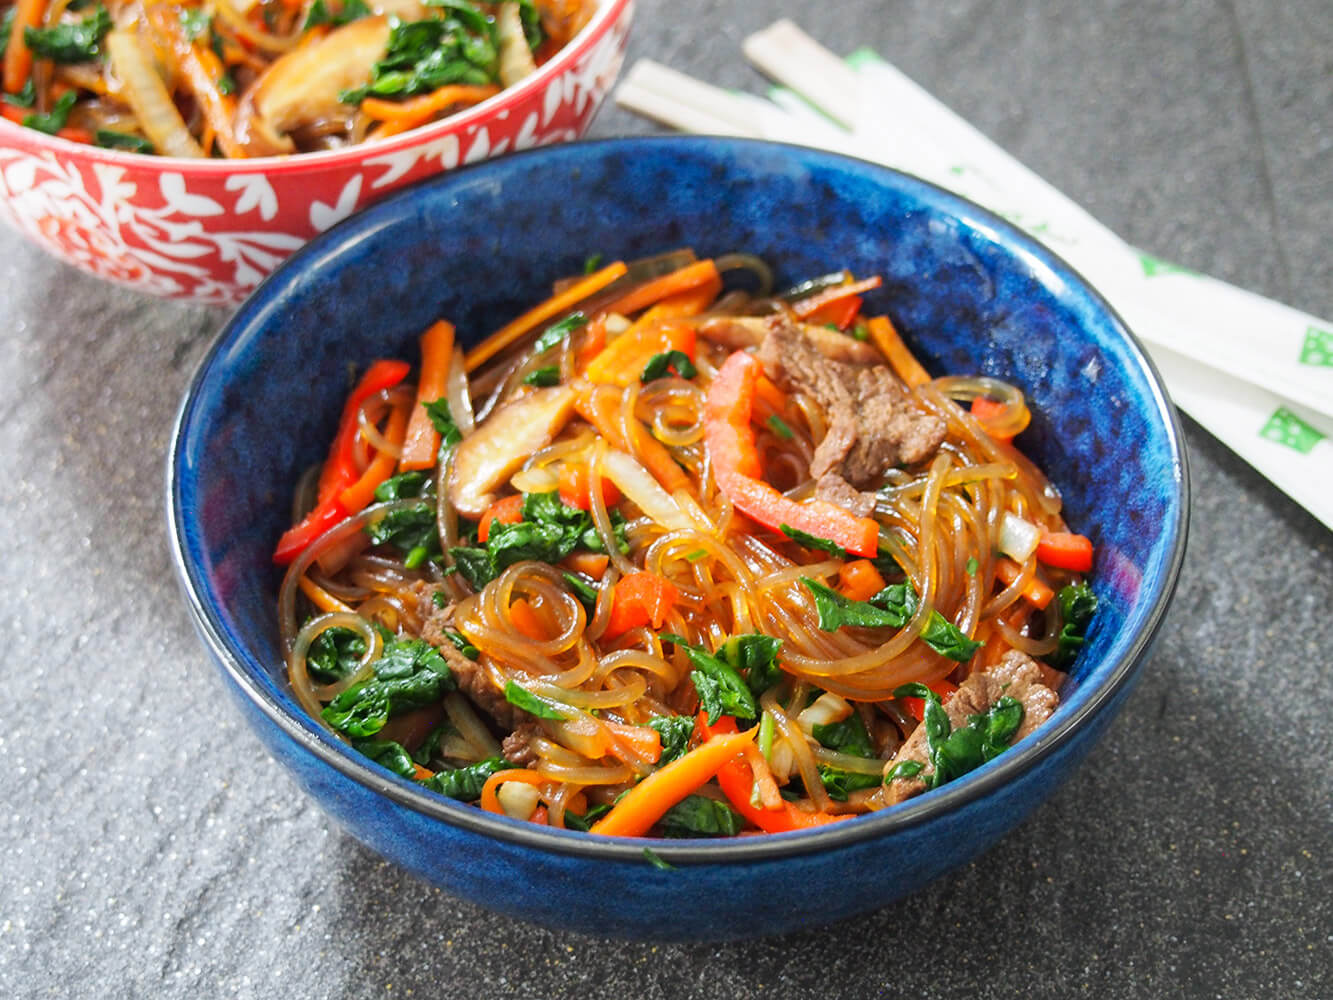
[[1155, 267], [1318, 348], [1286, 428]]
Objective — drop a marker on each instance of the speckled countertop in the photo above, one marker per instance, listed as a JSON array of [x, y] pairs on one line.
[[148, 847]]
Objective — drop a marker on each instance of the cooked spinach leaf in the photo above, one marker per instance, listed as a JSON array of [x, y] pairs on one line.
[[955, 752], [408, 674], [465, 783], [658, 862], [466, 648], [412, 529], [584, 589], [404, 486], [755, 658], [892, 607], [557, 332], [543, 377], [813, 541], [583, 821], [195, 21], [430, 746], [108, 139], [700, 816], [661, 365], [1077, 606], [351, 10], [70, 42], [421, 56], [722, 690], [388, 754], [848, 736], [335, 653], [443, 421], [675, 731], [521, 697], [54, 120], [549, 531], [840, 783]]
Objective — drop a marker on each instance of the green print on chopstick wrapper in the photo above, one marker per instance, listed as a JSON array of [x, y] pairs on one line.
[[1286, 428], [1155, 267], [1318, 348]]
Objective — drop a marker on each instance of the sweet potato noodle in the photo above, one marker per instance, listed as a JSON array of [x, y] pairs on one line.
[[239, 78], [673, 554]]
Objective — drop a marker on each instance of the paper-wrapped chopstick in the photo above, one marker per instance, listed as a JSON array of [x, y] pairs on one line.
[[1274, 408]]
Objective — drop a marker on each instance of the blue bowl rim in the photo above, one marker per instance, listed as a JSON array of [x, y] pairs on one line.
[[1004, 769]]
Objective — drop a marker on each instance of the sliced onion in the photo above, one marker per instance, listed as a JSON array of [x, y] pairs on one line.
[[826, 709], [460, 399], [146, 94], [535, 479], [642, 490], [1018, 538]]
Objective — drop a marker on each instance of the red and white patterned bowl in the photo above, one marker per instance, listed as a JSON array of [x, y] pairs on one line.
[[210, 230]]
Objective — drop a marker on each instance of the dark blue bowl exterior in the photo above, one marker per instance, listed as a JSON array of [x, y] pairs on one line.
[[478, 246]]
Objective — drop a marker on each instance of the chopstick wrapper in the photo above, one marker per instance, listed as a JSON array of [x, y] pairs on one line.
[[1256, 374]]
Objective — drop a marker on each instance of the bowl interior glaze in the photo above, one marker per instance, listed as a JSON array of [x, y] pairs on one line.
[[968, 291]]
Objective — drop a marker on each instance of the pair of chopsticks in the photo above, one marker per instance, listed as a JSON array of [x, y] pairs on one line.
[[1255, 373]]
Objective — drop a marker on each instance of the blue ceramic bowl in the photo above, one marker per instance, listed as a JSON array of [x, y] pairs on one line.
[[970, 292]]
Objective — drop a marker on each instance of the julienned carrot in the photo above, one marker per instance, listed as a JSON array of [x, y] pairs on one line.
[[986, 410], [421, 446], [736, 780], [575, 491], [702, 272], [16, 115], [600, 406], [591, 564], [358, 496], [399, 116], [859, 580], [525, 619], [490, 801], [320, 597], [1036, 593], [18, 57], [622, 361], [899, 356], [1065, 550], [840, 313], [647, 802], [735, 460], [813, 304], [539, 314], [202, 70], [641, 598]]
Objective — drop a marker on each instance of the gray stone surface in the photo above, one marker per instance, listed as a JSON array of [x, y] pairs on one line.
[[148, 847]]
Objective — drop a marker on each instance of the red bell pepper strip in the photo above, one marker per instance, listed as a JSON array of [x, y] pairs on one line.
[[737, 783], [917, 706], [735, 461], [340, 469]]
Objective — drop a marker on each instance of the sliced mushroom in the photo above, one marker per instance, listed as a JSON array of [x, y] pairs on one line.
[[739, 332], [303, 86], [503, 443]]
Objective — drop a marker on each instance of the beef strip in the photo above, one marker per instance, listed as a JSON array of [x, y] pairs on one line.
[[1017, 675], [517, 746], [833, 488], [472, 680], [873, 424]]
